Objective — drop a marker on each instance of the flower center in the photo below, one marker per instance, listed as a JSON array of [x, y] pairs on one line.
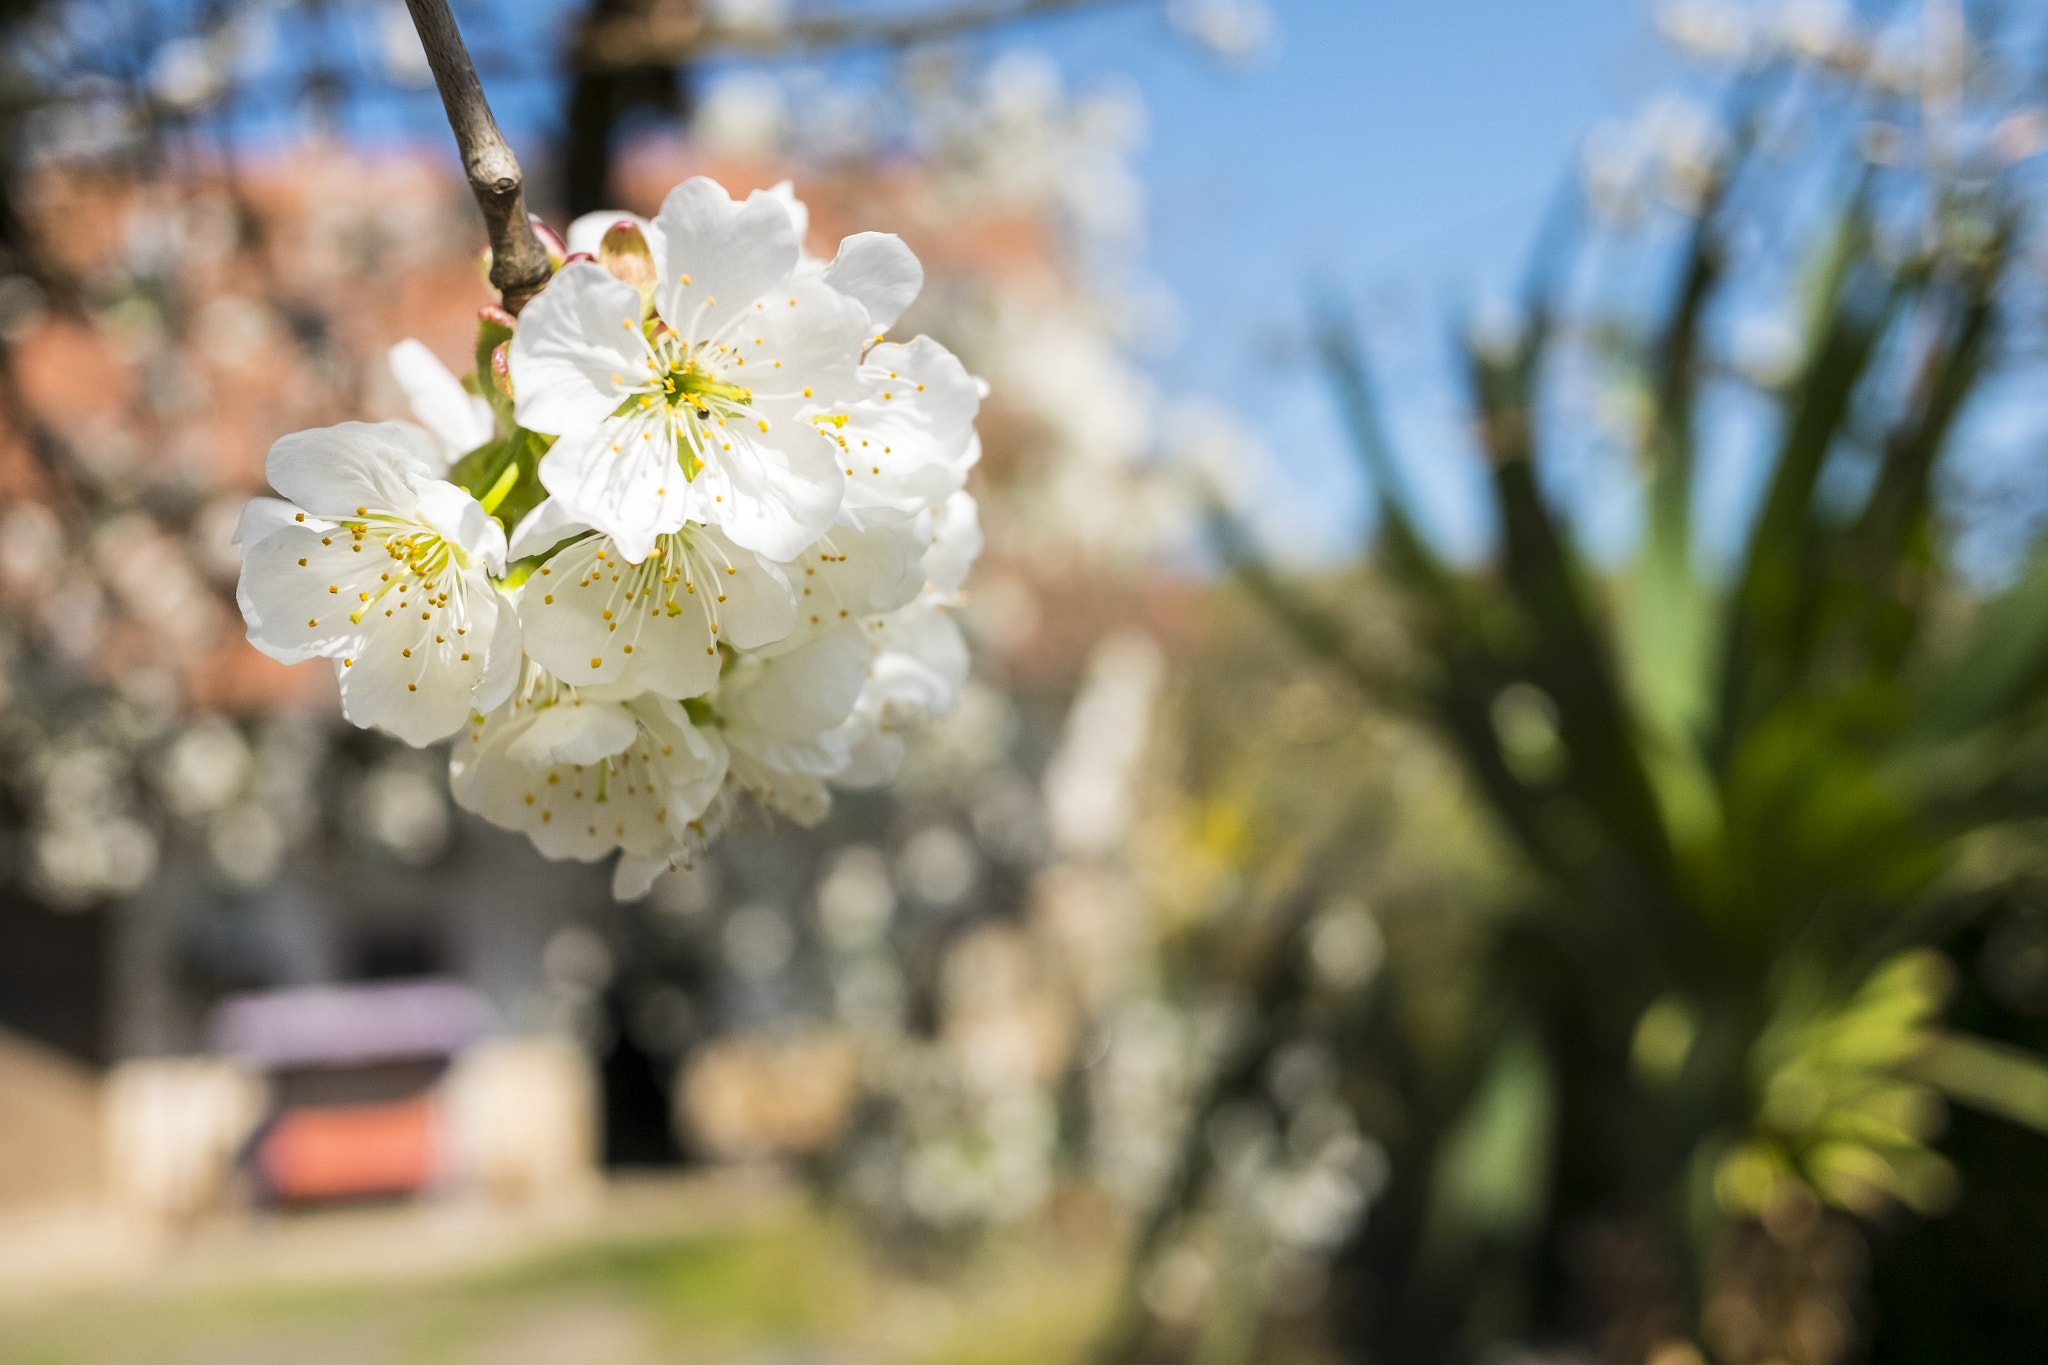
[[420, 558], [684, 394], [681, 575], [687, 385]]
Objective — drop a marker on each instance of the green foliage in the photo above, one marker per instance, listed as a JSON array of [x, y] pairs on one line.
[[1746, 801]]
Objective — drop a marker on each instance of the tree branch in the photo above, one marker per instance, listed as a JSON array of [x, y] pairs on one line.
[[519, 263], [672, 31]]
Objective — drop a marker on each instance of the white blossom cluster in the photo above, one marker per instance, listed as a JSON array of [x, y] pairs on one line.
[[692, 528]]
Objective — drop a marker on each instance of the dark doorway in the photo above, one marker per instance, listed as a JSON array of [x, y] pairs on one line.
[[53, 975], [637, 1128]]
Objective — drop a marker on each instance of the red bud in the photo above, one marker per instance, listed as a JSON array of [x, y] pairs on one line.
[[555, 248], [501, 367]]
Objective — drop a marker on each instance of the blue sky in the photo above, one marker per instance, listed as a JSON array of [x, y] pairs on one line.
[[1402, 153]]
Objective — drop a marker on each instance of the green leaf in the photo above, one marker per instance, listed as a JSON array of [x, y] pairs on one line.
[[2003, 663], [1994, 1077], [1493, 1167], [526, 492], [1771, 626], [1570, 655], [1407, 553]]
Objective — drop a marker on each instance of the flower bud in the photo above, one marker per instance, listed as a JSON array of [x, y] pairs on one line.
[[557, 252], [501, 368], [625, 253]]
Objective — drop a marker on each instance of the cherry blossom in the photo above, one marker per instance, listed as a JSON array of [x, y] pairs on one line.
[[378, 565], [741, 532], [655, 625], [582, 776], [701, 413], [781, 713]]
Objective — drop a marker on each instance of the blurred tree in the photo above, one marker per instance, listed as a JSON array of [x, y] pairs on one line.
[[631, 58]]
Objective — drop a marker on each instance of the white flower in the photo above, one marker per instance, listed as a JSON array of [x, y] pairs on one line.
[[917, 667], [918, 660], [634, 875], [955, 545], [704, 417], [873, 268], [878, 270], [740, 578], [909, 441], [460, 420], [850, 575], [582, 776], [383, 568], [1235, 30], [781, 716], [655, 625]]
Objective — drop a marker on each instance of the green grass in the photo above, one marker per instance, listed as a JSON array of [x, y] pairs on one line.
[[799, 1286]]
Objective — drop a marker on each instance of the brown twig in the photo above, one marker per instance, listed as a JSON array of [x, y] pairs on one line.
[[675, 33], [519, 263]]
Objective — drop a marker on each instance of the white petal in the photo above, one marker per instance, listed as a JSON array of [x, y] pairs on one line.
[[756, 600], [784, 193], [575, 732], [920, 665], [803, 797], [653, 626], [910, 441], [264, 515], [633, 878], [632, 798], [333, 471], [298, 611], [774, 707], [879, 271], [692, 762], [545, 527], [623, 479], [635, 874], [872, 758], [801, 347], [426, 694], [956, 543], [502, 656], [580, 627], [855, 574], [784, 489], [462, 420], [731, 254], [578, 351], [461, 520]]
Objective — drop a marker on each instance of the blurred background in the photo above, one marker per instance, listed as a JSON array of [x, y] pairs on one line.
[[1500, 816]]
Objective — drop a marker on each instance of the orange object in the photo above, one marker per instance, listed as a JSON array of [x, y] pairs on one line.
[[347, 1151]]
